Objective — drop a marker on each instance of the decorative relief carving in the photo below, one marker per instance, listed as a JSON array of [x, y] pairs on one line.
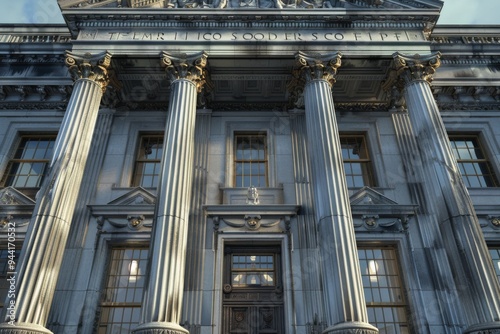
[[5, 220], [241, 3], [253, 196], [90, 67], [253, 222], [494, 220]]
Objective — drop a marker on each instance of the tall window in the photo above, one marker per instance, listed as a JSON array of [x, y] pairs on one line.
[[476, 170], [384, 290], [30, 163], [495, 256], [147, 163], [250, 160], [121, 303], [5, 267], [357, 164]]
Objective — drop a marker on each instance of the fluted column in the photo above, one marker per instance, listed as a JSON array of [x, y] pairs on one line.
[[43, 249], [466, 248], [162, 302], [344, 298]]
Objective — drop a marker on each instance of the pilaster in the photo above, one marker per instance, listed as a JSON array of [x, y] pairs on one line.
[[465, 245], [162, 302], [345, 306], [43, 249], [307, 238], [192, 312]]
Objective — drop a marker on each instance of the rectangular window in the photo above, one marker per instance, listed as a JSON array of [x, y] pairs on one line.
[[122, 297], [148, 161], [384, 291], [30, 162], [475, 168], [6, 267], [250, 160], [357, 164], [495, 256], [252, 270]]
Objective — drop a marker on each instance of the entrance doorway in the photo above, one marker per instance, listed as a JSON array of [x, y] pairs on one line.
[[252, 290]]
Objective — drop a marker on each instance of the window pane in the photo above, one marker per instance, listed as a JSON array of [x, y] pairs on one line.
[[148, 161], [357, 164], [29, 165], [495, 256], [121, 303], [474, 166], [383, 291], [250, 165]]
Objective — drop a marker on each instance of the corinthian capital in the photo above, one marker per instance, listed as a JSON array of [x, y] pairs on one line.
[[406, 69], [317, 67], [88, 66], [190, 67], [311, 67]]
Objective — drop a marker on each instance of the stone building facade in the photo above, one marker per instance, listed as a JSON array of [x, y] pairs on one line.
[[249, 166]]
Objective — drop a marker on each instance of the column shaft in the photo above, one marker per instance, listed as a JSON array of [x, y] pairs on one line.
[[162, 302], [466, 246], [343, 289], [43, 249]]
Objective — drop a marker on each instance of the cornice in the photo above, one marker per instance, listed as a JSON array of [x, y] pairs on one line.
[[206, 17]]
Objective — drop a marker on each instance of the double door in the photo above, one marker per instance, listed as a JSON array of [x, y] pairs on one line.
[[253, 292]]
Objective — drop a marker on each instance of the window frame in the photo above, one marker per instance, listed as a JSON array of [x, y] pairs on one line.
[[102, 304], [13, 160], [368, 180], [251, 126], [135, 181], [495, 247], [404, 305], [485, 160], [236, 161]]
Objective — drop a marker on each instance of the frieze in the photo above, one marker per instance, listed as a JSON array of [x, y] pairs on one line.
[[253, 35], [466, 40], [50, 39]]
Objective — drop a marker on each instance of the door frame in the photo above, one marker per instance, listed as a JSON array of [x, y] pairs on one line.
[[280, 240]]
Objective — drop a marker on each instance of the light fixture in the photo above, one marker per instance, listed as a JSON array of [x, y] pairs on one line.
[[372, 270], [134, 270]]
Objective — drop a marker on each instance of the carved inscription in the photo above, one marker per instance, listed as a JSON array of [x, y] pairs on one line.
[[255, 36]]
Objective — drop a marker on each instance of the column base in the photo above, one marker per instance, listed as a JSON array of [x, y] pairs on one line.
[[159, 328], [487, 328], [351, 327], [23, 328]]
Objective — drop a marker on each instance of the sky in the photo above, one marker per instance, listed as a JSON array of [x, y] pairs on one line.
[[458, 12]]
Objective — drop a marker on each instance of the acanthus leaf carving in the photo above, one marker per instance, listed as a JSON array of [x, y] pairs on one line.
[[88, 66]]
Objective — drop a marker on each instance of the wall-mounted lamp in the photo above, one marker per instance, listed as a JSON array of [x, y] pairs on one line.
[[372, 270], [134, 271]]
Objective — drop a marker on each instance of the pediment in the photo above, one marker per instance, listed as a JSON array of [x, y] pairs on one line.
[[12, 196], [368, 196], [137, 196]]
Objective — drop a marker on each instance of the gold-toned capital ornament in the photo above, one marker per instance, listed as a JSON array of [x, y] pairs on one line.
[[191, 67], [88, 66], [309, 67], [406, 69]]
